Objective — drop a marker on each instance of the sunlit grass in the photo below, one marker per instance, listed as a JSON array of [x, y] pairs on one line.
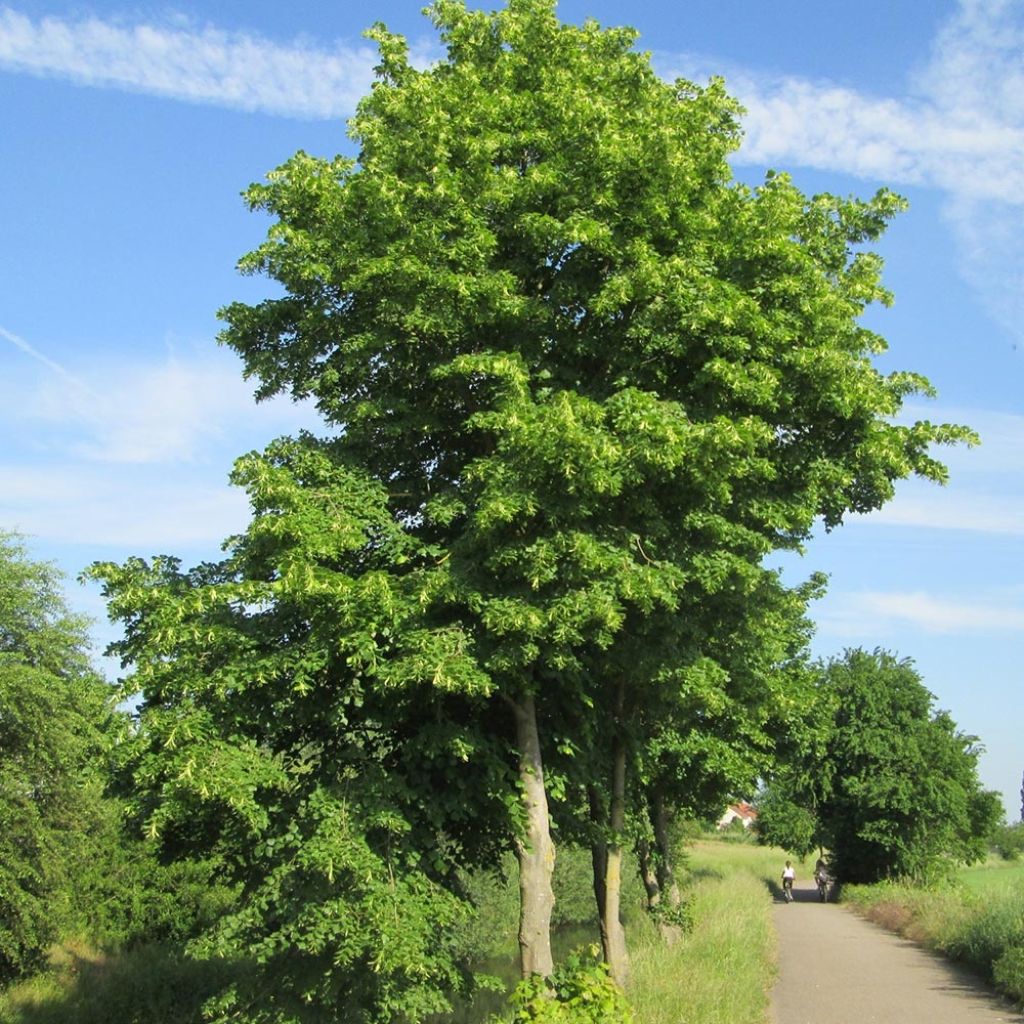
[[721, 972]]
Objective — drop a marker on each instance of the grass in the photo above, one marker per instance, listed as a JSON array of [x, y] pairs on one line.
[[994, 876], [721, 972], [148, 985]]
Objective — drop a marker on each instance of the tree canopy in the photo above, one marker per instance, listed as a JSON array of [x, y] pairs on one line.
[[890, 786]]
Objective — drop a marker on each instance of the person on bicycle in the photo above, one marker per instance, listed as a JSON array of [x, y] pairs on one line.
[[788, 876], [821, 878]]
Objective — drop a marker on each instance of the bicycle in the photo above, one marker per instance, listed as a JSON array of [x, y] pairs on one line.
[[824, 886]]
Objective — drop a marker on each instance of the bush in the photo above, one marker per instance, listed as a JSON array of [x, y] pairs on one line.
[[1008, 972], [580, 992]]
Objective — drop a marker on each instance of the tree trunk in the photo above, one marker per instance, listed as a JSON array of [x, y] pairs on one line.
[[535, 850], [667, 883], [599, 858], [666, 875], [648, 875], [615, 952]]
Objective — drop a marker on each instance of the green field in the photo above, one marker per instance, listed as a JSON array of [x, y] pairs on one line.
[[994, 876]]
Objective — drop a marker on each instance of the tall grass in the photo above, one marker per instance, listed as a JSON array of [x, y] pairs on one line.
[[721, 972], [151, 984]]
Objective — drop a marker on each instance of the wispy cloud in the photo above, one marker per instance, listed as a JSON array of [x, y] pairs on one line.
[[98, 507], [133, 455], [178, 410], [39, 357], [202, 65], [876, 614], [977, 513], [958, 128]]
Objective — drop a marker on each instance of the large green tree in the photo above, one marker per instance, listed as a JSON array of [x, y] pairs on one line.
[[888, 783], [56, 722], [592, 381], [598, 370]]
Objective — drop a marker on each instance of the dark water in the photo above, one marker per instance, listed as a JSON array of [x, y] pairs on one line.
[[487, 1003]]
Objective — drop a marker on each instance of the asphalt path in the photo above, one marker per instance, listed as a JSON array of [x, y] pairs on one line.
[[836, 968]]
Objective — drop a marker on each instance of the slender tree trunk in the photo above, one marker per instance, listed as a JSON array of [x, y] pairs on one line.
[[599, 858], [667, 883], [648, 874], [666, 874], [535, 850], [615, 951]]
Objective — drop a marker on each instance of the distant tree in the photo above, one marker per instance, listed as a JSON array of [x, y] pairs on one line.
[[1008, 841], [56, 721], [901, 793], [783, 821]]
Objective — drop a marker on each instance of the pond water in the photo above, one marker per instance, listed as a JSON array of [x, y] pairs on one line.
[[564, 941]]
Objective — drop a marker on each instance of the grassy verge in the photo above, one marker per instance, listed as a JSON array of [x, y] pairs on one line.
[[722, 970], [977, 921]]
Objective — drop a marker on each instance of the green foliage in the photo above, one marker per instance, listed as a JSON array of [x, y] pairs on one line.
[[889, 785], [579, 992], [1008, 973], [580, 382], [56, 722], [1008, 841], [784, 823]]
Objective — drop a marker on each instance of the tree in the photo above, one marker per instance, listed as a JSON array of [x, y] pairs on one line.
[[56, 721], [593, 380], [892, 785], [301, 722]]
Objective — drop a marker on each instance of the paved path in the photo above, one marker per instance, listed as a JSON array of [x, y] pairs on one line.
[[836, 968]]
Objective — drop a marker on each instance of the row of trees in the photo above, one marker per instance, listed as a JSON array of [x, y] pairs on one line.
[[68, 865], [577, 383], [882, 780]]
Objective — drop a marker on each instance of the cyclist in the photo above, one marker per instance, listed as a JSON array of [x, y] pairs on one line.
[[821, 879], [788, 875]]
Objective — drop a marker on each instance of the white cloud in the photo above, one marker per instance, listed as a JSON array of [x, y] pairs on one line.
[[102, 507], [959, 128], [201, 65], [1001, 452], [132, 455], [978, 513], [877, 614], [178, 410]]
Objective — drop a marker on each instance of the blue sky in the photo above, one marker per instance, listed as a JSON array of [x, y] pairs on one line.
[[128, 133]]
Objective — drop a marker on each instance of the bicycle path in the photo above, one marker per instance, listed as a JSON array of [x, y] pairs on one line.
[[836, 968]]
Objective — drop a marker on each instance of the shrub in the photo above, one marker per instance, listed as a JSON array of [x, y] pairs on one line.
[[580, 992], [1008, 972], [1008, 841]]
